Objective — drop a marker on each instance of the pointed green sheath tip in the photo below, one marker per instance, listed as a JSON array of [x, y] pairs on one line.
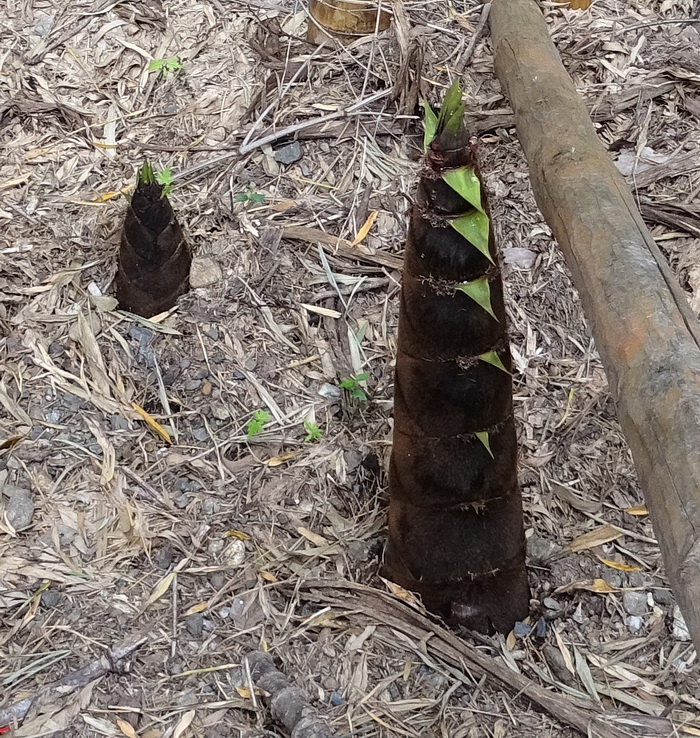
[[451, 105], [474, 227], [146, 173], [491, 357], [466, 184], [479, 291], [430, 124], [483, 436]]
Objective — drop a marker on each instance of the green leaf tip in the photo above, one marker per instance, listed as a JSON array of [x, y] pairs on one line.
[[146, 173], [479, 291], [483, 436], [450, 118], [466, 184], [430, 123], [475, 228], [451, 106], [491, 357]]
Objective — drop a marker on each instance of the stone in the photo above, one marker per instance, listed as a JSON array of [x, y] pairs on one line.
[[50, 599], [204, 272], [195, 624], [540, 550], [680, 629], [289, 154], [19, 509], [634, 623], [635, 602]]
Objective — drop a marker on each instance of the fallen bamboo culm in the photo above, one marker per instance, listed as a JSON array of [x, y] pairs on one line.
[[645, 331]]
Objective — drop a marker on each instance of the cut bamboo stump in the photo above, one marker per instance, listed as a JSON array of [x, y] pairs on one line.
[[647, 336], [345, 20]]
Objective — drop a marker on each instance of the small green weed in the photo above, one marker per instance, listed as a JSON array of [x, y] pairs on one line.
[[165, 66], [313, 432], [165, 178], [256, 423], [251, 196], [352, 385]]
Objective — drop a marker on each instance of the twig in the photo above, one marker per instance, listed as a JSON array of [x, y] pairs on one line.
[[113, 662], [284, 132], [478, 33], [288, 704]]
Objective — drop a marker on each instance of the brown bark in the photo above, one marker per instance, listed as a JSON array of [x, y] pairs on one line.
[[455, 511], [647, 336]]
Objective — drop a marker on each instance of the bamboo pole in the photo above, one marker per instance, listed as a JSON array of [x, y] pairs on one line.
[[647, 336]]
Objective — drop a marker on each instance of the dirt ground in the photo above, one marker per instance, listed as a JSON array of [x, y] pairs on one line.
[[225, 540]]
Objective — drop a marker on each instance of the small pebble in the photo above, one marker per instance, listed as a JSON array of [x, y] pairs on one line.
[[663, 596], [50, 599], [163, 557], [578, 616], [182, 501], [634, 623], [195, 624], [20, 507], [330, 392], [551, 604], [680, 629], [289, 154], [200, 434], [522, 630], [204, 272], [53, 416], [541, 628], [336, 699], [635, 602], [540, 550]]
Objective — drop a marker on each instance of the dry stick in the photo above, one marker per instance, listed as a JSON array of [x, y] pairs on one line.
[[582, 714], [647, 335], [288, 705], [113, 662], [478, 33]]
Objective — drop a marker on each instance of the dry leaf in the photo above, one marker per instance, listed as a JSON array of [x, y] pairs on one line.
[[364, 230], [185, 722], [596, 537], [313, 537], [126, 728], [327, 312], [600, 586], [565, 653], [617, 565], [400, 593], [277, 460], [237, 534], [199, 607], [151, 423]]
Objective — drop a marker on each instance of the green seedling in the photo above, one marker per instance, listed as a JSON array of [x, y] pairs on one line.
[[352, 385], [165, 66], [313, 432], [165, 178], [251, 196], [256, 423]]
